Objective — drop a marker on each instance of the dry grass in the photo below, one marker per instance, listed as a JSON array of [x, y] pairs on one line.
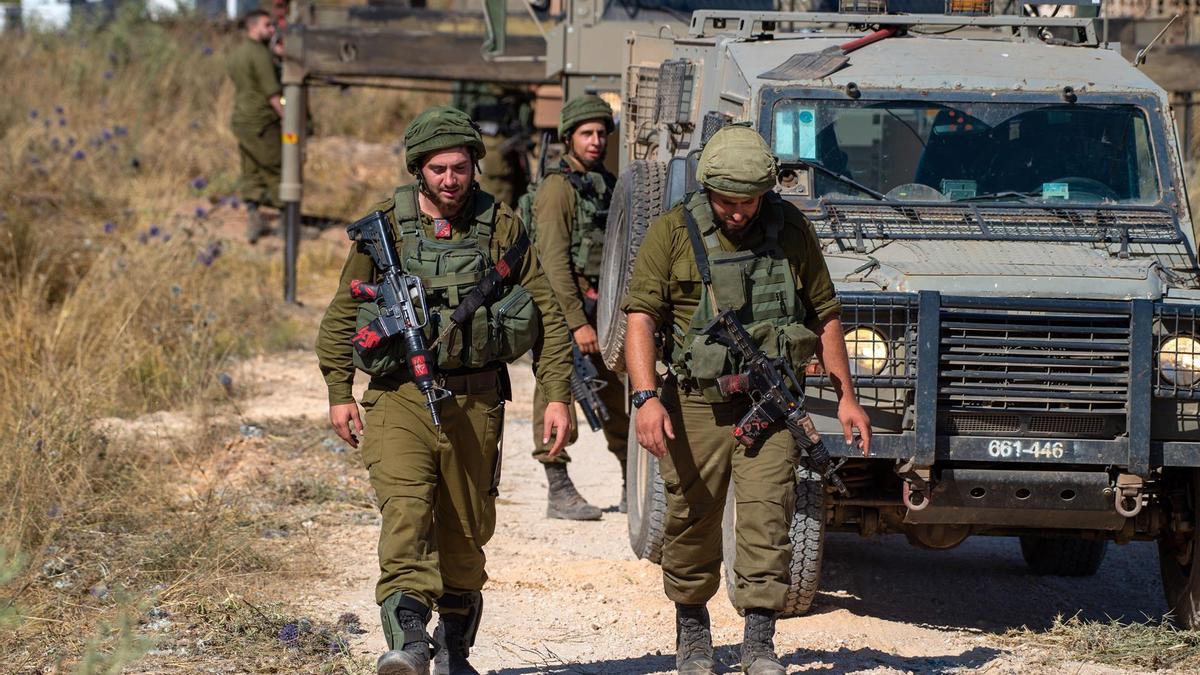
[[1151, 645], [121, 292]]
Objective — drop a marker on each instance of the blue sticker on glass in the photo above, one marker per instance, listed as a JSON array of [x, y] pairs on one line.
[[1056, 191], [806, 117]]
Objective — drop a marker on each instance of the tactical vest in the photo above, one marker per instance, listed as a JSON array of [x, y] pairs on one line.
[[593, 192], [759, 285], [502, 330]]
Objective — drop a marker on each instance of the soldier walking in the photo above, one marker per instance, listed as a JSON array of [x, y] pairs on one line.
[[570, 210], [437, 485], [765, 263], [256, 121]]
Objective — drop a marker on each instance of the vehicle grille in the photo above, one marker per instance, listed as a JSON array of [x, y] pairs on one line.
[[1084, 426], [1010, 360]]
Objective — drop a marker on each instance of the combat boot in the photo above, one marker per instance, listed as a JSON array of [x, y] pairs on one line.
[[455, 633], [693, 640], [758, 644], [623, 507], [564, 501], [404, 621], [256, 226]]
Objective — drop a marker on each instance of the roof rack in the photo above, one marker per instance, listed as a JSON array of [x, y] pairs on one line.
[[749, 25]]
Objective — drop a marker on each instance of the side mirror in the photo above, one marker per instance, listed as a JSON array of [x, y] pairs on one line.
[[495, 20]]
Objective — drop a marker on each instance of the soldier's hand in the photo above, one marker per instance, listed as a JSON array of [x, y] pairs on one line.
[[654, 427], [346, 420], [585, 337], [557, 421], [853, 416]]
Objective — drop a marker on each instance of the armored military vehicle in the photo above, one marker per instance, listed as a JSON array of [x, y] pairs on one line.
[[1002, 206]]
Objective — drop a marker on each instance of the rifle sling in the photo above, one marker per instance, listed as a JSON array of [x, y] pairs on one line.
[[491, 281], [701, 252]]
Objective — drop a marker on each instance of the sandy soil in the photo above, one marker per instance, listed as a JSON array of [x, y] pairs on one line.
[[571, 597]]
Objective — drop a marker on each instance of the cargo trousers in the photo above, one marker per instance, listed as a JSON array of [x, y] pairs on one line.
[[697, 470], [436, 488], [261, 153], [616, 429]]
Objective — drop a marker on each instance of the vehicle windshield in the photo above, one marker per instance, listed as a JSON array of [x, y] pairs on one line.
[[983, 152]]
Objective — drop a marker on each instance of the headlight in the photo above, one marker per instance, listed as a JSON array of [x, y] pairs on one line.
[[1179, 361], [868, 351]]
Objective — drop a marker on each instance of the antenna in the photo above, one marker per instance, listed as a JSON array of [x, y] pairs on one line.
[[1144, 51]]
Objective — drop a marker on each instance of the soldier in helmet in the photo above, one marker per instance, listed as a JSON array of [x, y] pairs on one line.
[[765, 263], [570, 209], [437, 486]]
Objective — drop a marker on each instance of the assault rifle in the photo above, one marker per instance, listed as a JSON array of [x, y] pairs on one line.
[[585, 382], [402, 308], [776, 394]]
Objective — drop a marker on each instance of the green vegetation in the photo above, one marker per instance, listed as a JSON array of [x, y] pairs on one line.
[[1151, 645]]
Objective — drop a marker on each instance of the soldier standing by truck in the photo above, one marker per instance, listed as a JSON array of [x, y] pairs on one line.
[[436, 485], [569, 211], [766, 265], [257, 112]]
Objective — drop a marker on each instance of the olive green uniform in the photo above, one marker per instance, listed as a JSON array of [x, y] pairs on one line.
[[557, 214], [704, 456], [255, 123], [437, 487]]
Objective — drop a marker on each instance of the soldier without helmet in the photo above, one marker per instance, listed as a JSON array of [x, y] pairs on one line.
[[569, 213], [690, 426], [437, 486]]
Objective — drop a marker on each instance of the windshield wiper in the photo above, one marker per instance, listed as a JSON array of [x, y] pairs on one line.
[[1026, 197], [841, 178]]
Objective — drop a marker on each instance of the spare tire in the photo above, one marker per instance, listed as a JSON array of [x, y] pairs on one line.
[[645, 497], [1063, 557], [807, 533], [637, 200]]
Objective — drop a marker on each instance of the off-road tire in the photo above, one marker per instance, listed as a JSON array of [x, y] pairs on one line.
[[1062, 557], [807, 534], [646, 498], [1178, 557], [637, 200]]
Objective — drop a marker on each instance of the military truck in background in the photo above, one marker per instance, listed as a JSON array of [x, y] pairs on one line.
[[1002, 206]]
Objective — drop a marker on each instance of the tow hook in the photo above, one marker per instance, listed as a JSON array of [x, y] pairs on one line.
[[917, 488], [1127, 495]]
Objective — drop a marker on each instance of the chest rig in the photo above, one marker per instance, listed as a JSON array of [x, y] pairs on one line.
[[758, 284], [593, 192], [507, 324]]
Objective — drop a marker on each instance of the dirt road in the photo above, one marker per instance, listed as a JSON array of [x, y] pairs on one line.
[[571, 598]]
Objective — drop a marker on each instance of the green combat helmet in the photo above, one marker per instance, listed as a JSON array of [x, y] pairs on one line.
[[737, 162], [584, 109], [437, 129]]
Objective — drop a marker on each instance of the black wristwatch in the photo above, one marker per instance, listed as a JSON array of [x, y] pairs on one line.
[[639, 398]]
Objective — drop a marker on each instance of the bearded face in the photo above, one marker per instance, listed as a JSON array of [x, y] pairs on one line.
[[448, 176]]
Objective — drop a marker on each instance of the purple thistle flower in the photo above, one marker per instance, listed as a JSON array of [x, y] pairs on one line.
[[62, 121], [58, 110], [107, 135], [79, 154], [120, 130], [70, 141], [207, 51], [154, 231], [199, 182], [33, 159], [110, 227], [289, 634], [33, 114], [200, 212], [55, 143], [108, 74], [235, 203], [166, 237]]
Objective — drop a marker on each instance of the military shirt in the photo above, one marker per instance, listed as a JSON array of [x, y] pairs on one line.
[[666, 281], [335, 352], [554, 209], [255, 79]]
